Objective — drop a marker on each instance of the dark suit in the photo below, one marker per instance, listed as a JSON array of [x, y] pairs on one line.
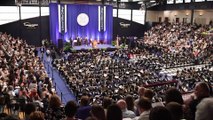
[[83, 112]]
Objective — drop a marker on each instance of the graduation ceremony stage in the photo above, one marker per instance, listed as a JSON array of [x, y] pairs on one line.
[[106, 47], [94, 22]]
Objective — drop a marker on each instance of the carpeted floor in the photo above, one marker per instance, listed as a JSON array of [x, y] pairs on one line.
[[60, 85]]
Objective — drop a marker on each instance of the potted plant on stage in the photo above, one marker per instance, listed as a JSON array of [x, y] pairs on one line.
[[67, 47]]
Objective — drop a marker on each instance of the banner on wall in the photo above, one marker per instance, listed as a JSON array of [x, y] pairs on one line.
[[62, 18], [101, 18]]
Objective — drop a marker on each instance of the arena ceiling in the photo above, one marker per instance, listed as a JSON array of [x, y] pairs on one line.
[[104, 1], [45, 2]]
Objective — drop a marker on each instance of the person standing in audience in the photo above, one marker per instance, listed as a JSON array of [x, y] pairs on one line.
[[173, 95], [70, 110], [35, 52], [160, 113], [43, 42], [204, 109], [53, 55], [149, 94], [130, 103], [106, 103], [97, 112], [114, 112], [28, 109], [141, 91], [201, 91], [48, 53], [144, 106], [84, 110], [54, 111], [42, 49], [176, 110], [125, 112]]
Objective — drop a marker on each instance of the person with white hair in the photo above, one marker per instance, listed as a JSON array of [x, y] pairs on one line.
[[204, 110], [123, 106]]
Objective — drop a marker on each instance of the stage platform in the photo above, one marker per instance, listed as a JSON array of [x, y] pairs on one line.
[[106, 47]]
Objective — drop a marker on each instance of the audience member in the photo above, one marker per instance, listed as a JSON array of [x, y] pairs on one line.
[[29, 108], [144, 106], [201, 92], [125, 112], [55, 110], [176, 110], [98, 112], [173, 95], [106, 103], [84, 110], [70, 110], [149, 94], [114, 112], [141, 91], [205, 109], [130, 103], [37, 115], [160, 113]]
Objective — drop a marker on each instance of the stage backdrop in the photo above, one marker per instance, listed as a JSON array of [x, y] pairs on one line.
[[78, 20]]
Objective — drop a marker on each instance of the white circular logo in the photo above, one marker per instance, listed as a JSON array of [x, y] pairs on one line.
[[83, 19]]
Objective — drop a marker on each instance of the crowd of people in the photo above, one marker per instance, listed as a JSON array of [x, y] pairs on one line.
[[23, 78], [188, 77], [179, 43], [125, 84], [100, 74]]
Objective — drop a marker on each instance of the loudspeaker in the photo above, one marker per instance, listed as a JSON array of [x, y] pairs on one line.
[[60, 43]]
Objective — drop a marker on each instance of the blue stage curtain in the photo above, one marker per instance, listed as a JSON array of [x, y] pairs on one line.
[[109, 25], [54, 34], [75, 30]]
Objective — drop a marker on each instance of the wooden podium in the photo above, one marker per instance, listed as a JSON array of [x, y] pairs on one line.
[[94, 44]]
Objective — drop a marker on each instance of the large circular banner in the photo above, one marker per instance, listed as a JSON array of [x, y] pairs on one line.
[[83, 19]]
